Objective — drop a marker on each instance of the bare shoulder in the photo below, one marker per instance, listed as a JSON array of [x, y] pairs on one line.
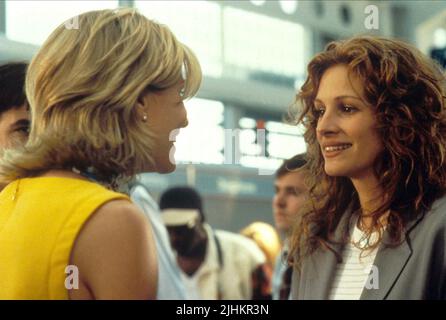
[[115, 219], [115, 253], [121, 214]]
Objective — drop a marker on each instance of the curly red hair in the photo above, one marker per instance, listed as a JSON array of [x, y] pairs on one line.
[[407, 91]]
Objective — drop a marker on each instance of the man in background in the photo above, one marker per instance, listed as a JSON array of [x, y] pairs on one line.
[[290, 195], [14, 114], [215, 264]]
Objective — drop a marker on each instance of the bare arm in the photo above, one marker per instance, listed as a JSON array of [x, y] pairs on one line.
[[115, 254]]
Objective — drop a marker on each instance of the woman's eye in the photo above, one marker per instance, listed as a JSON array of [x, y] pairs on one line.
[[348, 109], [319, 112], [24, 129]]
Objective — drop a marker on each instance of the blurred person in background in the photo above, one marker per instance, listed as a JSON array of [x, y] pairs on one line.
[[289, 198], [268, 240], [14, 113], [374, 226], [104, 100], [215, 264]]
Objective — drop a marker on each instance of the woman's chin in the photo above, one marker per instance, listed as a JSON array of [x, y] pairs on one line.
[[335, 171], [166, 167]]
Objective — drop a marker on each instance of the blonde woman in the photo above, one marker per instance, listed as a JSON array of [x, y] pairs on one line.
[[104, 99]]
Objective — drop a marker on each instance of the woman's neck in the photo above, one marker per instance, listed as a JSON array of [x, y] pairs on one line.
[[371, 197]]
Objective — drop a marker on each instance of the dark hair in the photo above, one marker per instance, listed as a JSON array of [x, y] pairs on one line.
[[407, 93], [12, 84], [291, 164], [182, 197]]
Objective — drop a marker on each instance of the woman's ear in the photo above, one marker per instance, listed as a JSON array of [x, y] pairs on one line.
[[142, 104], [142, 107]]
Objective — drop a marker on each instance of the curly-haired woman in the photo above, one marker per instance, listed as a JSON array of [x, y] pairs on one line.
[[375, 224], [104, 99]]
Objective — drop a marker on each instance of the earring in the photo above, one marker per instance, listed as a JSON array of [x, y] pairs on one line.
[[144, 118]]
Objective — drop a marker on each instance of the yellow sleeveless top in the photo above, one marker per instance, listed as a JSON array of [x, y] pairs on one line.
[[40, 219]]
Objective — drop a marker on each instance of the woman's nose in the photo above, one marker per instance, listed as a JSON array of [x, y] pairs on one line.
[[327, 123]]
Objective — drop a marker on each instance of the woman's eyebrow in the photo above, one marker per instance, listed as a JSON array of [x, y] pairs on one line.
[[340, 98], [20, 123]]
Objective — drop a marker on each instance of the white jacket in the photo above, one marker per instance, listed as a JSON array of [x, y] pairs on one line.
[[240, 257]]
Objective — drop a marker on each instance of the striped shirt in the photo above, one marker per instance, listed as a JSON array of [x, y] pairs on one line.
[[353, 272]]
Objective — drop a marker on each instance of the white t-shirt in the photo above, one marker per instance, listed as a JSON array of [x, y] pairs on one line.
[[353, 272], [192, 287]]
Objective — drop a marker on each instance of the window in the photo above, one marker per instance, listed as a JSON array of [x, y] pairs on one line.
[[281, 141], [202, 141], [33, 21], [195, 23], [288, 6], [260, 43], [258, 2], [439, 38]]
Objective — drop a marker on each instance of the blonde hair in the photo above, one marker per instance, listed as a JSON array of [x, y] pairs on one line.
[[83, 86], [266, 238]]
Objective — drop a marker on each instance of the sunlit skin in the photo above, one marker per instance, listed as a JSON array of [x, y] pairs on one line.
[[344, 117], [289, 197], [166, 114], [14, 127]]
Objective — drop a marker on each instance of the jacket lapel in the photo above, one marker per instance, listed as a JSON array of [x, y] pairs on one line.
[[320, 267], [389, 263]]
